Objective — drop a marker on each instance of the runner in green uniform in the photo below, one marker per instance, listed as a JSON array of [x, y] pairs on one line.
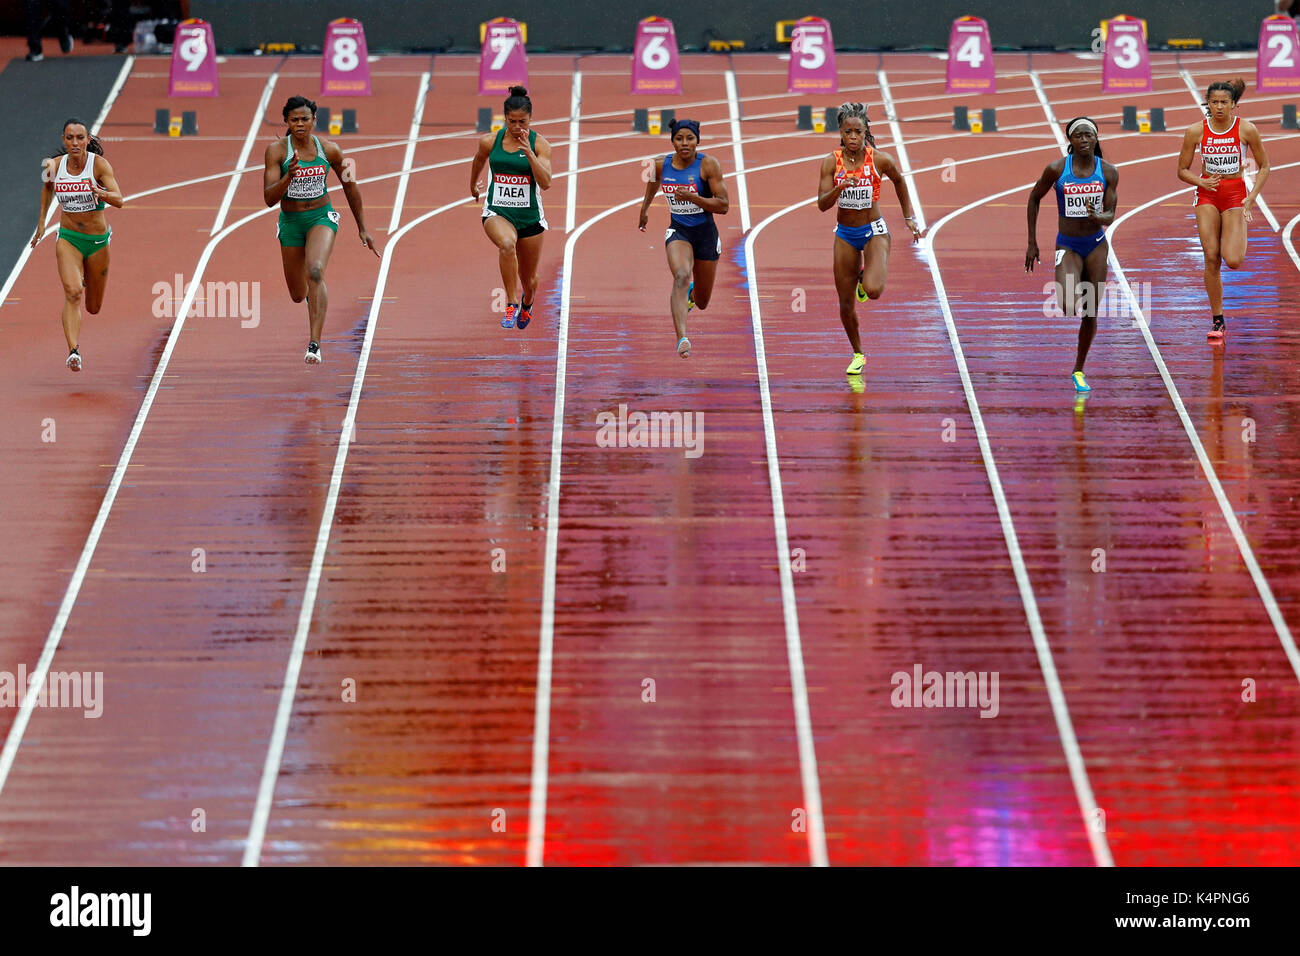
[[519, 164], [80, 179], [296, 167]]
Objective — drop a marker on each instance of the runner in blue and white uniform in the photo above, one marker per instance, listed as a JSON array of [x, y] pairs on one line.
[[692, 183], [1086, 197], [80, 179]]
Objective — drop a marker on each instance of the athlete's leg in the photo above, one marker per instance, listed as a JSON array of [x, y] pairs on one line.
[[529, 257], [876, 256], [847, 262], [294, 259], [1208, 222], [70, 273], [681, 260], [706, 270], [1093, 283], [1072, 295], [320, 243], [96, 272], [1232, 237], [505, 237]]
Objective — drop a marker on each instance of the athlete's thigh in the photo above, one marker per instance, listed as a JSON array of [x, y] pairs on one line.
[[96, 278], [846, 261], [681, 256], [320, 243], [1069, 276], [294, 259], [501, 231], [876, 256], [1208, 223], [529, 252]]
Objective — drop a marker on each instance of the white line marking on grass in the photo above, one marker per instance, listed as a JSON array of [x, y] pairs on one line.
[[811, 781]]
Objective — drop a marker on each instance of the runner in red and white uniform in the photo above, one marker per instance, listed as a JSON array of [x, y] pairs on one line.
[[80, 179], [1222, 202]]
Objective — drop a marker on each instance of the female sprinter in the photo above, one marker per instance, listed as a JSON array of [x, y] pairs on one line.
[[692, 183], [1222, 203], [295, 178], [850, 180], [519, 164], [1086, 193], [82, 181]]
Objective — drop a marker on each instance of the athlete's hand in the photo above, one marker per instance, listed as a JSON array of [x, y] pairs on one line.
[[1094, 211], [37, 238], [521, 137], [368, 241], [293, 164], [645, 218], [1212, 181], [686, 193], [917, 234], [1245, 208], [1031, 256]]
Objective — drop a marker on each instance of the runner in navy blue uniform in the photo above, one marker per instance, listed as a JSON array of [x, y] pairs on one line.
[[692, 183], [1086, 196]]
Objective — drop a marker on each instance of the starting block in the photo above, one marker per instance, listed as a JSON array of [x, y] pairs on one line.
[[489, 122], [652, 121], [986, 123], [327, 122], [187, 124], [1143, 121], [818, 123], [1288, 116]]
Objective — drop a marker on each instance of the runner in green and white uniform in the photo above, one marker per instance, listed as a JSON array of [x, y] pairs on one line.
[[519, 164], [80, 179], [296, 171]]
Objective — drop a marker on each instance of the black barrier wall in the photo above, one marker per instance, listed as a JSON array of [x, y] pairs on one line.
[[447, 26]]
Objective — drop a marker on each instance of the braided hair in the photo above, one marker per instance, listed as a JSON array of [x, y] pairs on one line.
[[849, 111]]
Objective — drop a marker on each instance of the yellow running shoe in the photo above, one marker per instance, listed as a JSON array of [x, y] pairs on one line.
[[862, 293], [857, 365], [1080, 384]]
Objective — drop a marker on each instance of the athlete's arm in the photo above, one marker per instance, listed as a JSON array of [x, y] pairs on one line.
[[274, 186], [1251, 137], [1110, 199], [49, 169], [540, 160], [1190, 139], [348, 178], [107, 190], [719, 202], [828, 193], [1051, 173], [651, 187], [480, 158], [886, 166]]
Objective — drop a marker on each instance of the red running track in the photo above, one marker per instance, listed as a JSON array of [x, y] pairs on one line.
[[435, 579]]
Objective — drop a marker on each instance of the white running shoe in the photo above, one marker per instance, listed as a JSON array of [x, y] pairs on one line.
[[313, 356], [74, 361]]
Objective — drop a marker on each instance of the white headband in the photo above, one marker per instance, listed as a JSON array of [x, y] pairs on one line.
[[1081, 122]]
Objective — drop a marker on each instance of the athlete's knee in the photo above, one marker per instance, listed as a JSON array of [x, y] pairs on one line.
[[701, 299], [316, 272], [1233, 260], [507, 245], [1212, 265], [94, 307], [74, 294], [682, 276], [297, 296], [873, 289]]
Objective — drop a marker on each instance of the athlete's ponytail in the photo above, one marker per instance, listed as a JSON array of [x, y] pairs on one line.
[[518, 100], [849, 111], [93, 146]]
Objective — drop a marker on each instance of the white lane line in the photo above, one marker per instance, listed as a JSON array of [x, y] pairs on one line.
[[253, 129], [416, 117], [95, 127], [900, 147], [546, 636], [809, 777], [575, 112], [1286, 241], [1229, 515], [37, 681], [1250, 180], [742, 189], [1046, 662], [288, 690]]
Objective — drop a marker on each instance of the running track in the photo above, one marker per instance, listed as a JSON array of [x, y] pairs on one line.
[[350, 515]]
